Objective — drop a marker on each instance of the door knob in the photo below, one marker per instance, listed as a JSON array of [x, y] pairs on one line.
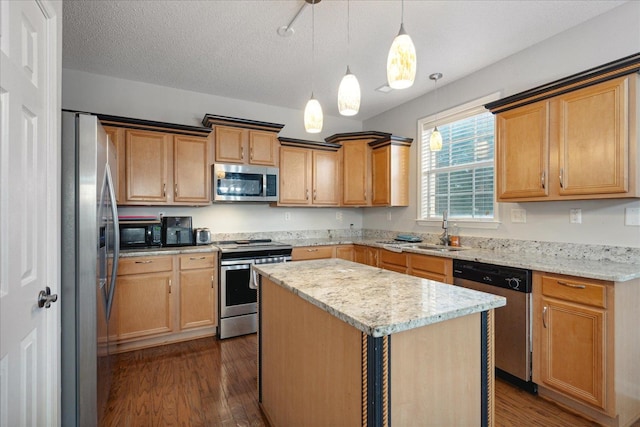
[[45, 298]]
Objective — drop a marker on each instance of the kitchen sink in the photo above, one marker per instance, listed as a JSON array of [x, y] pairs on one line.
[[439, 247]]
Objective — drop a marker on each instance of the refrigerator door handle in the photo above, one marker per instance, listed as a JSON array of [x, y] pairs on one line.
[[116, 243]]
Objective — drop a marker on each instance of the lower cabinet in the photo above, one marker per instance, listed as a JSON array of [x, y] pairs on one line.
[[365, 255], [164, 299], [586, 349], [144, 299], [431, 267], [302, 253], [198, 288], [394, 261], [345, 252]]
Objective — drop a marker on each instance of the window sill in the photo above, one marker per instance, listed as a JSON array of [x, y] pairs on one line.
[[461, 224]]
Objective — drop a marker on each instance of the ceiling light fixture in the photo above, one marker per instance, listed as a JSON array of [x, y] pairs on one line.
[[401, 62], [349, 89], [287, 30], [313, 111], [435, 141]]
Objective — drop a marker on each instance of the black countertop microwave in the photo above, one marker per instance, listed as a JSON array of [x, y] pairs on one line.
[[136, 234]]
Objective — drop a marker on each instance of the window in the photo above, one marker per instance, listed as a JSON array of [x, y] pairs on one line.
[[460, 177]]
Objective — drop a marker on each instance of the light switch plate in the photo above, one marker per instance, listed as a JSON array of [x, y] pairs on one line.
[[339, 216], [518, 215], [632, 216]]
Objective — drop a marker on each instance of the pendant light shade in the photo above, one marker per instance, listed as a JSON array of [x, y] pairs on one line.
[[313, 111], [435, 142], [313, 116], [401, 62], [349, 95]]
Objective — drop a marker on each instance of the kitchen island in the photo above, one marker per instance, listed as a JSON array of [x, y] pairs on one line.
[[342, 343]]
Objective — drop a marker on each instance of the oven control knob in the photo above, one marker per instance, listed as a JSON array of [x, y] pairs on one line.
[[514, 283]]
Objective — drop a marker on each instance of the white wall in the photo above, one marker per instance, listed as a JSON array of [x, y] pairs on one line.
[[107, 95], [604, 39]]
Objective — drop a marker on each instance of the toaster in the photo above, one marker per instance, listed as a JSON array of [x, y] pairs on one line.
[[202, 236]]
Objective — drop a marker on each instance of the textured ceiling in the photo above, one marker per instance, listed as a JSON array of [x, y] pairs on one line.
[[232, 49]]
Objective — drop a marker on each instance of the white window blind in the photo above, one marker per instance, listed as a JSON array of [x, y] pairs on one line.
[[460, 177]]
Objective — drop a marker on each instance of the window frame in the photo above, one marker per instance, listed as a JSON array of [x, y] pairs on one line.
[[453, 114]]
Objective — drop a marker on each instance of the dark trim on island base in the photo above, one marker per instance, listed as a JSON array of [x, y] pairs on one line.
[[377, 386]]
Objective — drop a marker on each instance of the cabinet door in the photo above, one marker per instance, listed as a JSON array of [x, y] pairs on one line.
[[197, 298], [230, 144], [144, 305], [263, 148], [345, 252], [356, 157], [593, 139], [312, 252], [522, 152], [572, 344], [326, 178], [118, 170], [365, 255], [191, 170], [381, 174], [295, 176], [147, 161], [431, 267]]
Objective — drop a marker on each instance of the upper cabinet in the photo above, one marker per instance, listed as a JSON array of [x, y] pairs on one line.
[[375, 168], [244, 141], [574, 139], [309, 173], [159, 163]]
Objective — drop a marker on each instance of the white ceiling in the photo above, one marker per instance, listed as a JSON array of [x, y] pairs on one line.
[[232, 49]]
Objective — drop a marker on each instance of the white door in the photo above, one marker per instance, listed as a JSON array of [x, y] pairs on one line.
[[30, 45]]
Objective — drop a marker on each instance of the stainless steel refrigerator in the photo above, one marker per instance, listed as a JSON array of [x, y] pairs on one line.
[[89, 257]]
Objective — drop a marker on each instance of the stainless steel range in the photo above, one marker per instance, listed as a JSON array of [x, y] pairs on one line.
[[237, 296]]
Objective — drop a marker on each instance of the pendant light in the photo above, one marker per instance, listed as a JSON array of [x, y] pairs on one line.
[[349, 89], [435, 141], [401, 62], [313, 111]]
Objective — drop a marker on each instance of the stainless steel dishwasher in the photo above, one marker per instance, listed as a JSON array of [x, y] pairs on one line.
[[513, 322]]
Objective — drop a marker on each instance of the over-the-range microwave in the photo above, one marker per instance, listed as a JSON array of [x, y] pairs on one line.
[[244, 183]]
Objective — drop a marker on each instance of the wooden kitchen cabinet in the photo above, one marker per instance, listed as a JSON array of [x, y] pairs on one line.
[[394, 261], [302, 253], [198, 290], [244, 141], [366, 255], [345, 252], [309, 173], [582, 144], [431, 267], [160, 163], [375, 168], [586, 345], [143, 298]]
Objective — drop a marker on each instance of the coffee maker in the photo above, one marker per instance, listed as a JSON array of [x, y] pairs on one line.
[[177, 231]]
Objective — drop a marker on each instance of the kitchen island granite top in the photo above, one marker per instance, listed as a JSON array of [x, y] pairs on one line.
[[587, 268], [377, 302]]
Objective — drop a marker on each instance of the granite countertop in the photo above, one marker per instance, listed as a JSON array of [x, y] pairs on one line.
[[603, 270], [129, 253], [377, 302]]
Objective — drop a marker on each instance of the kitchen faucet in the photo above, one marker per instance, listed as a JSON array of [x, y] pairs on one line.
[[444, 237]]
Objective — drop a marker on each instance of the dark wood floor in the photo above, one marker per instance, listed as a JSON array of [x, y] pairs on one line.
[[207, 382]]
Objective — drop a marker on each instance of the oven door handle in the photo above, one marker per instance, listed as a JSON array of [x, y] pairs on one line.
[[253, 283]]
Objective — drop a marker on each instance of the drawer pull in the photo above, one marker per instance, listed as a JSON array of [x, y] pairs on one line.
[[544, 317], [195, 259], [571, 285], [312, 250], [144, 262]]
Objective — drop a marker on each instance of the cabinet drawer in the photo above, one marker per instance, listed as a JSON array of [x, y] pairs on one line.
[[195, 261], [312, 252], [394, 258], [138, 265], [431, 264], [575, 290]]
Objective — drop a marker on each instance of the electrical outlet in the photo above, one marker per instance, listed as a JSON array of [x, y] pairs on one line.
[[632, 216], [518, 215], [287, 216], [339, 216], [388, 216], [575, 216]]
